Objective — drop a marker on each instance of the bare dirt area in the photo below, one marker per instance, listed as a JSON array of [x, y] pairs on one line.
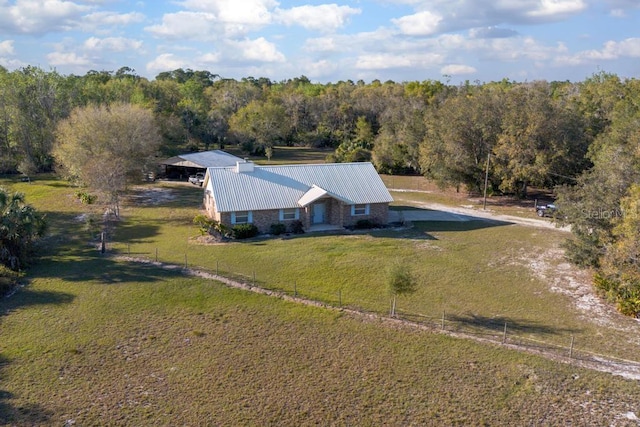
[[569, 280], [145, 195]]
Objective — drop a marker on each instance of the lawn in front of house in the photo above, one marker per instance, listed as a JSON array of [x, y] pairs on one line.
[[467, 270], [94, 340]]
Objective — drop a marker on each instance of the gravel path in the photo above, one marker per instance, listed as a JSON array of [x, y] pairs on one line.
[[439, 212]]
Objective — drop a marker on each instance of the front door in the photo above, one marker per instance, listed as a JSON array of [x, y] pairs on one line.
[[318, 213]]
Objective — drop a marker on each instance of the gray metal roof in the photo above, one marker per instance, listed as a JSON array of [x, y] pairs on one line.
[[282, 187], [204, 159]]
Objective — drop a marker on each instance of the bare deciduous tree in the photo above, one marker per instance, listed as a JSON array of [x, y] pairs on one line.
[[107, 147]]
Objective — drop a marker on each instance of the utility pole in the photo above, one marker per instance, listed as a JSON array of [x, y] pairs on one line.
[[486, 182]]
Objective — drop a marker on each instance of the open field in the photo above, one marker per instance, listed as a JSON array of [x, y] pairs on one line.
[[94, 340]]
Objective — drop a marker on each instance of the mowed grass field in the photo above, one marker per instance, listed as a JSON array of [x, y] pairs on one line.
[[96, 341]]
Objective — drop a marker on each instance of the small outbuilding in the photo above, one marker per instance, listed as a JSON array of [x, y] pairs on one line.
[[317, 195], [184, 165]]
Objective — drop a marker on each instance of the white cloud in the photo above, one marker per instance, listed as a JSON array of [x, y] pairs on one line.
[[557, 8], [68, 59], [621, 8], [110, 19], [256, 50], [457, 69], [40, 17], [211, 58], [612, 50], [245, 12], [320, 68], [491, 33], [212, 20], [12, 63], [390, 60], [165, 62], [423, 23], [112, 44], [441, 16], [6, 47], [188, 25], [322, 44], [325, 17]]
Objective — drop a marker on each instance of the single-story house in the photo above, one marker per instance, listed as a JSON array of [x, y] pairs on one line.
[[337, 194], [180, 167]]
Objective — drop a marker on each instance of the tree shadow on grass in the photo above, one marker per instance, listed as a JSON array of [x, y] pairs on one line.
[[475, 322], [31, 414], [136, 232], [92, 267], [26, 414]]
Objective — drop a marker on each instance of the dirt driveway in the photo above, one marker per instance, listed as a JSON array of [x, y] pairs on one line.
[[438, 212]]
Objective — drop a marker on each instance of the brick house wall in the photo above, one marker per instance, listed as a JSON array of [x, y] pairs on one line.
[[337, 213], [261, 219], [378, 214]]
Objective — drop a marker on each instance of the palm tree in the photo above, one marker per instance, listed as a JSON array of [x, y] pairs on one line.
[[20, 225]]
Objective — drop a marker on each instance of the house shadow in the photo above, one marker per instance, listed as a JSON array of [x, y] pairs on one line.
[[430, 220]]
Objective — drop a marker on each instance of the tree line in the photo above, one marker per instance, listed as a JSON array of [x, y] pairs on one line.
[[580, 138], [538, 133]]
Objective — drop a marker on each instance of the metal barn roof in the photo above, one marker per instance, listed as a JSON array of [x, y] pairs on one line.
[[290, 186], [204, 159]]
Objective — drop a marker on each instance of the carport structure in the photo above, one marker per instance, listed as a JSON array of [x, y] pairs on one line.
[[180, 167]]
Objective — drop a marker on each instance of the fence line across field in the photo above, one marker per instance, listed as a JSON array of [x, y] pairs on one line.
[[498, 332]]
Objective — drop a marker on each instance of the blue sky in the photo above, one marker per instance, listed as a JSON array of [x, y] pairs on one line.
[[399, 40]]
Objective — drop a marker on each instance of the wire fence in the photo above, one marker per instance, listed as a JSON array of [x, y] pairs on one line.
[[500, 331]]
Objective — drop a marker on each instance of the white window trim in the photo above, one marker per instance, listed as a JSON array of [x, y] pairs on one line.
[[249, 218], [281, 214], [366, 209]]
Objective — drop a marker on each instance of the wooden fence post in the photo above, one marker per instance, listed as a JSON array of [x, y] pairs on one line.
[[571, 348], [504, 335]]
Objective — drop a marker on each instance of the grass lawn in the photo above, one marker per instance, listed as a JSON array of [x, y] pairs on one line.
[[476, 272], [98, 341], [283, 155]]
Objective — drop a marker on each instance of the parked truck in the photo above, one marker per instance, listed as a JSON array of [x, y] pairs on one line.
[[197, 179]]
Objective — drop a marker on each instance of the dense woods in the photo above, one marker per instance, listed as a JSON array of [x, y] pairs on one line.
[[580, 138]]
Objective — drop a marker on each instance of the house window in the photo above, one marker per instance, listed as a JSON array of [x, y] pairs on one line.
[[359, 210], [241, 217], [289, 214]]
